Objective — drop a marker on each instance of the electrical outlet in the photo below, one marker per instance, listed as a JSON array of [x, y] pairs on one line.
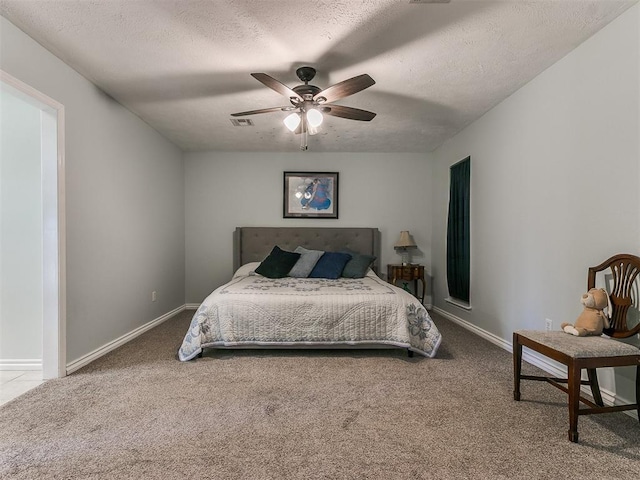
[[154, 296], [548, 324]]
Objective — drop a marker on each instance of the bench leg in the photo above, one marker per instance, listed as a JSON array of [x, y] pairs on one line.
[[638, 390], [517, 367], [574, 401], [595, 388]]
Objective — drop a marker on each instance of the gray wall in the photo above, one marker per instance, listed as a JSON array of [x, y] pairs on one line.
[[555, 171], [20, 231], [125, 203], [226, 190]]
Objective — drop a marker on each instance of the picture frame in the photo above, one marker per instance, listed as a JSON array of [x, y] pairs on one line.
[[310, 195]]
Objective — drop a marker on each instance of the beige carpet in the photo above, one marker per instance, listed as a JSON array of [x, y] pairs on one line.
[[140, 413]]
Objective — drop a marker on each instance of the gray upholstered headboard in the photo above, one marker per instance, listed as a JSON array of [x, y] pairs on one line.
[[253, 244]]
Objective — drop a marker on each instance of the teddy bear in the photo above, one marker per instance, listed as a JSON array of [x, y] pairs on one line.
[[592, 320]]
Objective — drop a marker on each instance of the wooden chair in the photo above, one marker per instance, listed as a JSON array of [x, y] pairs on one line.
[[589, 353]]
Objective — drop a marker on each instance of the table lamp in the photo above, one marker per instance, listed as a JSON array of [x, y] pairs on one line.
[[404, 243]]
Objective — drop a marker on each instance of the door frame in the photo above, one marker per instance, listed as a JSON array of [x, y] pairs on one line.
[[54, 232]]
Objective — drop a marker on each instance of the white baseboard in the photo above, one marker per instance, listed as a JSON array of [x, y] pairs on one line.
[[553, 368], [90, 357], [21, 364], [477, 330], [192, 306]]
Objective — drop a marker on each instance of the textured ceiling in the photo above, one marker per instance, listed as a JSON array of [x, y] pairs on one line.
[[184, 65]]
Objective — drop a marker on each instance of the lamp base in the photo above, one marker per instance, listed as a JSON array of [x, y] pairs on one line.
[[405, 258]]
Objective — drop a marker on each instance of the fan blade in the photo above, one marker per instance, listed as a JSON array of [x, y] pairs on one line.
[[348, 112], [345, 88], [274, 84], [263, 110]]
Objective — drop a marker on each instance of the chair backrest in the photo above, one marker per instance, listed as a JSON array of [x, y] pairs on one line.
[[624, 269]]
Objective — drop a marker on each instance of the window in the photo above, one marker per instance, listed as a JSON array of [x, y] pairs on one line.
[[458, 233]]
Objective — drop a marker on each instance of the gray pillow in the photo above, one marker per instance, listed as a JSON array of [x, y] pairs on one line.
[[358, 266], [306, 262]]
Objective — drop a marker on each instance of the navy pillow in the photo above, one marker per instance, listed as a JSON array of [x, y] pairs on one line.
[[330, 265], [358, 266], [278, 263]]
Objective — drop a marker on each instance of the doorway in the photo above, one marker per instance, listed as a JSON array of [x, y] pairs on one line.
[[32, 243]]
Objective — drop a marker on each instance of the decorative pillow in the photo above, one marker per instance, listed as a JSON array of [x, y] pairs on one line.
[[330, 265], [358, 266], [278, 263], [308, 260]]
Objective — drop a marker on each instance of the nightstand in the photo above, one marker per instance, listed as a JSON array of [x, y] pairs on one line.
[[407, 272]]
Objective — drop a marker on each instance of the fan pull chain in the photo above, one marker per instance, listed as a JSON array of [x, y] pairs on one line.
[[303, 136]]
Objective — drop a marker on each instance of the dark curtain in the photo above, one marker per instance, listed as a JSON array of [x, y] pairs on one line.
[[458, 234]]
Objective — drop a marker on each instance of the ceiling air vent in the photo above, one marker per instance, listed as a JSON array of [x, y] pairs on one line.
[[242, 122]]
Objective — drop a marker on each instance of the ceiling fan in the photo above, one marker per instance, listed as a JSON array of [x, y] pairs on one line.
[[309, 103]]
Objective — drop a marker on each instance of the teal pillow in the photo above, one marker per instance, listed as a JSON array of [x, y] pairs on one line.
[[330, 265], [278, 263], [308, 260], [358, 266]]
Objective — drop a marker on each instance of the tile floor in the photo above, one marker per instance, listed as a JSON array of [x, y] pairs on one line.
[[14, 383]]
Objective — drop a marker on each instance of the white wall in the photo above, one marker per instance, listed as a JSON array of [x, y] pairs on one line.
[[20, 232], [555, 171], [125, 203], [227, 190]]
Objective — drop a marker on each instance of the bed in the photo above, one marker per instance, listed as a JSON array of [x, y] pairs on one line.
[[254, 311]]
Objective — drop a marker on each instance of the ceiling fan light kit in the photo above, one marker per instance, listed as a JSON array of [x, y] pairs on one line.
[[308, 102]]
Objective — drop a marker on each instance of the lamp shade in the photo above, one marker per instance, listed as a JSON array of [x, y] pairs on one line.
[[314, 117], [405, 240], [292, 121]]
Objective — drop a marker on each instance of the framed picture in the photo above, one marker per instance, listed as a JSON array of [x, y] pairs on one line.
[[310, 195]]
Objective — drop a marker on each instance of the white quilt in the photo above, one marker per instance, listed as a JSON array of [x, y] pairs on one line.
[[254, 310]]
